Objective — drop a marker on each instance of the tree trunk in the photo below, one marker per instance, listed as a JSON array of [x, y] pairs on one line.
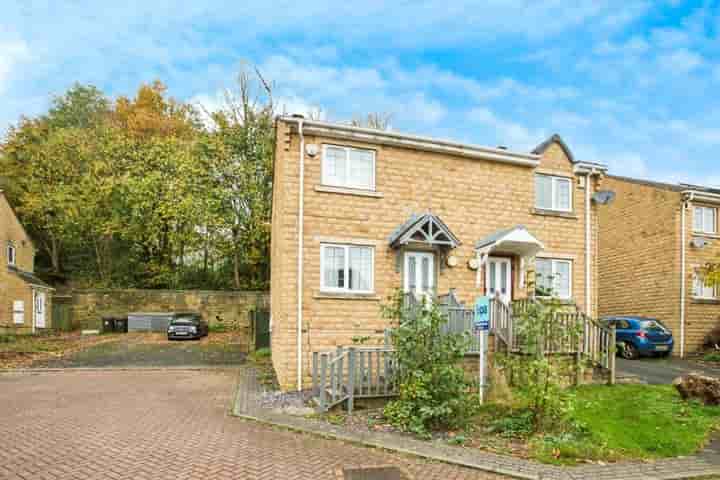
[[236, 269]]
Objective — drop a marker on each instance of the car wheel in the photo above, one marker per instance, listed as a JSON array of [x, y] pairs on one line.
[[664, 354], [629, 351]]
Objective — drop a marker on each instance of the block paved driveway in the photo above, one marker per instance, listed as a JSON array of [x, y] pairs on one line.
[[155, 425]]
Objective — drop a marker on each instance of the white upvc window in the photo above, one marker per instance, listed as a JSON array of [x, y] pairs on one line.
[[553, 193], [346, 268], [553, 278], [348, 167], [11, 254], [18, 312], [705, 219], [702, 289]]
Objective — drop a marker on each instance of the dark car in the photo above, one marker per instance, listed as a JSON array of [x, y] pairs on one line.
[[186, 326], [641, 336]]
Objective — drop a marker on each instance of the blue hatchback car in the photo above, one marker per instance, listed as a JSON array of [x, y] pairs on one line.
[[640, 336]]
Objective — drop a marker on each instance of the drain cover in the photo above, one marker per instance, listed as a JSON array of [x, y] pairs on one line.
[[373, 473]]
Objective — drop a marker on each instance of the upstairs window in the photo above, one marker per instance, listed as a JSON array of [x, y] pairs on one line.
[[348, 167], [705, 219], [702, 289], [11, 254], [553, 278], [346, 268], [553, 193]]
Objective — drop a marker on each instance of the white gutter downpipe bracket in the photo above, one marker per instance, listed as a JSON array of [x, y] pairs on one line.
[[301, 222]]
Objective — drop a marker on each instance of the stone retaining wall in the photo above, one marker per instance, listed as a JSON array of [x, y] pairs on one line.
[[229, 308]]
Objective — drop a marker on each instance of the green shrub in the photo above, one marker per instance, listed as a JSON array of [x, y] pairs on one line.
[[516, 425], [539, 377], [432, 390], [262, 353], [712, 357], [218, 328]]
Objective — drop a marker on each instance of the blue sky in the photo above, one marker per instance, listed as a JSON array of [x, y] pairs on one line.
[[629, 83]]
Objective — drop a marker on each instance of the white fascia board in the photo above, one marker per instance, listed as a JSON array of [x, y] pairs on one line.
[[589, 168], [379, 137], [700, 196]]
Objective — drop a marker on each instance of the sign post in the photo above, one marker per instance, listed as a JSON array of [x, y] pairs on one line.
[[481, 325]]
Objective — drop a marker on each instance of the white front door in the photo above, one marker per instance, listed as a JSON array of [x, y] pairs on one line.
[[498, 278], [39, 309], [419, 273]]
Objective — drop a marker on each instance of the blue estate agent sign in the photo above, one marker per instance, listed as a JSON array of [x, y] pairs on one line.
[[481, 320]]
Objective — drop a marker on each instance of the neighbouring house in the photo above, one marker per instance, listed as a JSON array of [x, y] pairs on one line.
[[359, 213], [25, 299], [654, 240]]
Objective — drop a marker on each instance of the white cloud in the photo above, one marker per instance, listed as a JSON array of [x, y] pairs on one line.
[[12, 52], [508, 133], [635, 46], [680, 61]]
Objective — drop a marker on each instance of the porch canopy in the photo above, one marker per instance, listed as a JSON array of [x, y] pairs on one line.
[[516, 241], [426, 229]]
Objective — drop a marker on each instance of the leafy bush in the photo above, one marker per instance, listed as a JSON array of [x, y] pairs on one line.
[[712, 357], [433, 391], [517, 425], [218, 328], [262, 353], [539, 375]]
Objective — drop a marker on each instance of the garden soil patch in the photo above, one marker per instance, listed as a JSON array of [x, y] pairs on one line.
[[154, 350], [27, 351]]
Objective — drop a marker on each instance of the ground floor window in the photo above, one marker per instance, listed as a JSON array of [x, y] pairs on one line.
[[346, 268], [18, 312], [701, 289], [553, 277]]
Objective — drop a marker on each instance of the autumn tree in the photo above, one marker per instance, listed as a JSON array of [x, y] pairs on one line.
[[240, 146]]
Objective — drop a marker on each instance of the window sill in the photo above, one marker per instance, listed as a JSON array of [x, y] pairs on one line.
[[345, 296], [348, 191], [561, 301], [709, 301], [554, 213], [705, 234]]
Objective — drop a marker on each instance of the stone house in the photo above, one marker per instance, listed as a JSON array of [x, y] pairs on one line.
[[655, 238], [24, 298], [359, 213]]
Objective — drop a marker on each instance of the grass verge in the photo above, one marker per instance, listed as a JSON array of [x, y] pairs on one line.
[[614, 423]]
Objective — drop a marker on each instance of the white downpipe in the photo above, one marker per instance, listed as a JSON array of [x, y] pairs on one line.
[[588, 240], [301, 221], [683, 207]]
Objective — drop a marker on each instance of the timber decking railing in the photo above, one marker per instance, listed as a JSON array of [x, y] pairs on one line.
[[347, 373], [573, 333]]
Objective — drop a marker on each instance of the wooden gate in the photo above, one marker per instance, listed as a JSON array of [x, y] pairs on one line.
[[260, 320], [61, 316]]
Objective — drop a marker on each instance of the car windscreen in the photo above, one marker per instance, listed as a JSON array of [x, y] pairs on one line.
[[185, 321], [653, 325]]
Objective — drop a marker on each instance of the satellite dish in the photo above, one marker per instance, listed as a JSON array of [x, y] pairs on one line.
[[603, 197], [312, 149], [699, 242]]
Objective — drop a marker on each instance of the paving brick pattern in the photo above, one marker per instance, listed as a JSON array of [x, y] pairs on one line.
[[155, 425]]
